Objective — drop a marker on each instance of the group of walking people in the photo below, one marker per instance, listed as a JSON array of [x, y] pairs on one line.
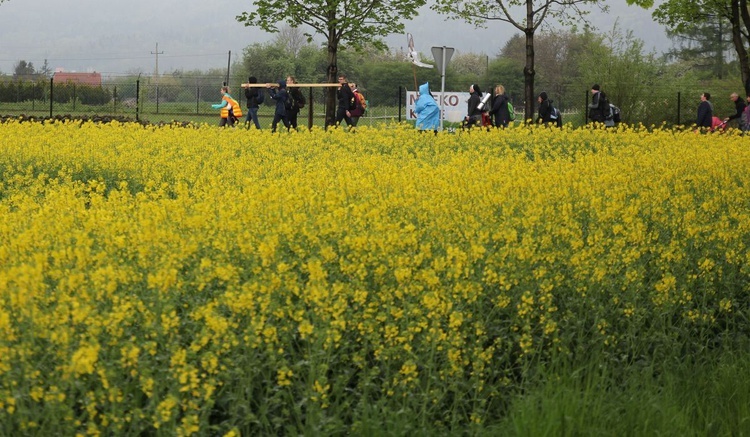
[[481, 112], [289, 101], [483, 109], [706, 119]]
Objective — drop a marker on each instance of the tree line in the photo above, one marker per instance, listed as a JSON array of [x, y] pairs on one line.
[[642, 84]]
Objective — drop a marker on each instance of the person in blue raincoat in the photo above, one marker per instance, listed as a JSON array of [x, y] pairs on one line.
[[427, 110]]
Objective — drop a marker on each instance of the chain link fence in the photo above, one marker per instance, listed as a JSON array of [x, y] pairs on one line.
[[154, 103]]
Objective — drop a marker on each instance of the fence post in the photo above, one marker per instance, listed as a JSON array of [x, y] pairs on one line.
[[74, 96], [51, 94], [310, 109], [586, 109], [197, 99], [137, 98], [679, 105], [114, 100], [399, 103]]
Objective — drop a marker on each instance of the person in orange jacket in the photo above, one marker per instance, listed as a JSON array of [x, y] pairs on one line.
[[231, 110]]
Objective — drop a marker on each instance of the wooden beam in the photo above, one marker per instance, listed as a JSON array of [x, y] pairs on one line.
[[276, 85]]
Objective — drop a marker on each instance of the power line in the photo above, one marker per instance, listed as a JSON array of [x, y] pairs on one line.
[[119, 58]]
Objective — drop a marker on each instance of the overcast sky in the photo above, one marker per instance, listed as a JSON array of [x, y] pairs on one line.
[[117, 37]]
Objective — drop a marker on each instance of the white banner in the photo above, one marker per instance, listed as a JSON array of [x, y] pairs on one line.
[[455, 105]]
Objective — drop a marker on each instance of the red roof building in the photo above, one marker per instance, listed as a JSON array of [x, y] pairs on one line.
[[92, 79]]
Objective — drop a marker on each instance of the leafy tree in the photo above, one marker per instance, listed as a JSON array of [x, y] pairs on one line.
[[292, 38], [356, 23], [167, 89], [20, 91], [309, 64], [267, 61], [558, 64], [93, 95], [24, 70], [504, 71], [633, 80], [535, 14], [557, 61], [474, 64], [683, 15], [703, 46], [45, 71]]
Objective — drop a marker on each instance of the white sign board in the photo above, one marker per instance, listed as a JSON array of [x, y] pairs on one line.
[[455, 105]]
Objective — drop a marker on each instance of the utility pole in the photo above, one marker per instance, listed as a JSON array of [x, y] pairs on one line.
[[156, 71], [156, 75], [229, 62]]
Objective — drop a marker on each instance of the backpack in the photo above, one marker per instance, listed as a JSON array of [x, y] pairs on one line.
[[234, 110], [554, 114], [353, 103], [260, 97], [289, 102], [604, 106], [511, 111], [614, 113], [361, 102], [301, 101]]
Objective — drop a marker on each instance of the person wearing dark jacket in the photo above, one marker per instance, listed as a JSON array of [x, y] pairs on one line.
[[252, 95], [473, 113], [598, 108], [705, 112], [359, 110], [499, 111], [545, 109], [296, 95], [280, 96], [345, 96], [739, 107]]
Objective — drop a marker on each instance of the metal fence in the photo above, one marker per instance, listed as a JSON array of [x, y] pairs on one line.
[[652, 105], [154, 103]]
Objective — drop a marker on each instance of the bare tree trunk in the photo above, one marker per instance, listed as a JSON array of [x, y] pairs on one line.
[[741, 52], [331, 77], [528, 69]]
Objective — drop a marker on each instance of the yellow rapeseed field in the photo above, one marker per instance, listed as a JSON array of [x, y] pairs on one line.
[[206, 281]]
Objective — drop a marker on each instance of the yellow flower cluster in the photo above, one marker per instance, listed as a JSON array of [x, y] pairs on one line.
[[193, 280]]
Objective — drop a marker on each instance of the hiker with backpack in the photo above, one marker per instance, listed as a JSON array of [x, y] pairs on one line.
[[548, 113], [346, 101], [295, 102], [281, 96], [359, 102], [254, 96], [599, 109], [500, 109], [230, 108]]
